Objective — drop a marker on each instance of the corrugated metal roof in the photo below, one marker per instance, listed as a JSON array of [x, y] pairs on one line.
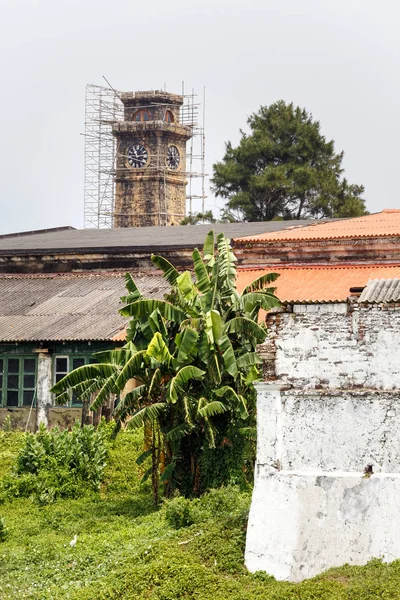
[[68, 307], [381, 290], [383, 224], [318, 284], [103, 240]]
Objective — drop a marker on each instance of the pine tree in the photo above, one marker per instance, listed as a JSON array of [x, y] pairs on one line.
[[285, 168]]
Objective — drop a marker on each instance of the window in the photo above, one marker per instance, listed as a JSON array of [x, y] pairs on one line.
[[17, 380], [169, 117], [141, 115], [62, 366]]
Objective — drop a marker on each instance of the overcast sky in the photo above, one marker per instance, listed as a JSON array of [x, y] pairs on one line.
[[337, 58]]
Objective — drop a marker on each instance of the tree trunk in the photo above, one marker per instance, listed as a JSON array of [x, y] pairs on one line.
[[85, 413], [155, 460]]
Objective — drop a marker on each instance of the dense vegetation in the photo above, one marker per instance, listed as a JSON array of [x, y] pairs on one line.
[[126, 548]]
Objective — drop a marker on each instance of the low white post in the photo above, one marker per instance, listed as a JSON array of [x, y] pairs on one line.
[[43, 386]]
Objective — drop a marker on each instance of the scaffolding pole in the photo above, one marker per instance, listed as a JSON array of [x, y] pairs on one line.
[[193, 115], [102, 108]]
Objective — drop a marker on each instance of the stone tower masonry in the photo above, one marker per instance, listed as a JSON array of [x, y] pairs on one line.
[[151, 160]]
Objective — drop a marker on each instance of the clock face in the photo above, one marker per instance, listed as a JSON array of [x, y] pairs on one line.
[[137, 156], [173, 158]]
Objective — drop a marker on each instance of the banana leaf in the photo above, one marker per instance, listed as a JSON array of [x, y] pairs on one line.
[[261, 282], [253, 300], [243, 325], [170, 273], [142, 308], [186, 342], [158, 349], [84, 373], [133, 369], [202, 277], [179, 383], [134, 291], [212, 408]]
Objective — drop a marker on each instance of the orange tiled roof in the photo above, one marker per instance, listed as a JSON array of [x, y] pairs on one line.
[[385, 223], [318, 284]]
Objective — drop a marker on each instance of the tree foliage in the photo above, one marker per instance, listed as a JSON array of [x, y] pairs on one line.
[[200, 217], [284, 168], [193, 358]]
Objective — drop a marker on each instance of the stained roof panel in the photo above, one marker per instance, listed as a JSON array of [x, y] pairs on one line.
[[381, 290], [68, 307]]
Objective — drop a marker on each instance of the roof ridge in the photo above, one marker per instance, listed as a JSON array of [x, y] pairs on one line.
[[37, 231], [319, 267], [75, 275]]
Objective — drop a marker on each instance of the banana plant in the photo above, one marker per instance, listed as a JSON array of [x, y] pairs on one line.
[[192, 357]]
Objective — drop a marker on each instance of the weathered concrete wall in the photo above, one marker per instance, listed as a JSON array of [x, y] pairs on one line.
[[327, 480], [337, 346], [301, 525], [65, 262], [19, 418], [64, 418], [328, 452], [302, 430]]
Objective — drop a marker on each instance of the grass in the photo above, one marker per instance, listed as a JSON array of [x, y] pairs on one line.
[[128, 549]]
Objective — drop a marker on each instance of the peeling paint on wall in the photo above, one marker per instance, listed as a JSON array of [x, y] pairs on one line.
[[335, 346], [327, 477]]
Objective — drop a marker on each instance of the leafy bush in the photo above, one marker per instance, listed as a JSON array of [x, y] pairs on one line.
[[54, 464], [227, 503], [179, 512], [232, 460], [7, 426]]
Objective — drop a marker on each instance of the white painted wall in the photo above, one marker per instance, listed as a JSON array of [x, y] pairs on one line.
[[303, 524], [339, 430], [313, 507]]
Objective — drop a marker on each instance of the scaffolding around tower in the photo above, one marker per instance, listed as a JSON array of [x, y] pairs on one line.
[[193, 114], [103, 110]]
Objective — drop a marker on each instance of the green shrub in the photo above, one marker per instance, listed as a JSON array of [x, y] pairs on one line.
[[58, 464], [179, 512], [6, 426], [227, 503]]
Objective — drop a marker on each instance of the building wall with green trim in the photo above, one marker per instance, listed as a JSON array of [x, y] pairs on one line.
[[18, 381]]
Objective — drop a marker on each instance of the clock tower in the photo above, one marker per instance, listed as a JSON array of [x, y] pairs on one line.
[[151, 160]]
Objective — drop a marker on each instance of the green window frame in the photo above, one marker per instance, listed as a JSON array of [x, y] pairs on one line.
[[18, 375], [64, 364]]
